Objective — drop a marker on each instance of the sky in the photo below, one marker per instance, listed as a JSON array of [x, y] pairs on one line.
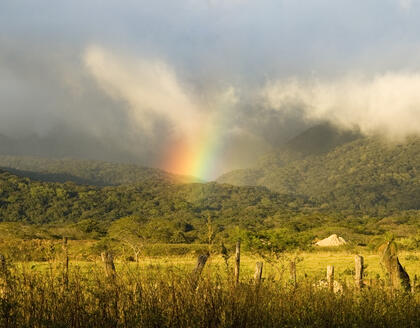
[[201, 87]]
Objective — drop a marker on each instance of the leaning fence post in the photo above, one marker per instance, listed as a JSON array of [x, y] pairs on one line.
[[330, 277], [358, 271], [258, 272], [293, 272], [201, 262], [66, 261], [237, 261], [108, 261]]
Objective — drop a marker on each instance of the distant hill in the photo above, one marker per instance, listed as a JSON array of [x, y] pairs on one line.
[[88, 172], [163, 206], [316, 140], [359, 189], [320, 139], [366, 175]]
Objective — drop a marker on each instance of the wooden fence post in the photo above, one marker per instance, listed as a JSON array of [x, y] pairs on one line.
[[358, 271], [201, 262], [258, 272], [330, 277], [237, 261], [293, 272], [108, 261], [3, 276], [414, 284], [3, 265], [66, 261]]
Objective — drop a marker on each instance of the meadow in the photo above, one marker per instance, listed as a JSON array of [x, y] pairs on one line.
[[164, 291]]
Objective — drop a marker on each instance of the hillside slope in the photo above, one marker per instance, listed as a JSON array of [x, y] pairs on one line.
[[88, 172], [165, 205], [367, 175], [317, 140]]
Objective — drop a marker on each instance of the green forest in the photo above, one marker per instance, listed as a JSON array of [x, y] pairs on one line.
[[358, 187], [367, 176]]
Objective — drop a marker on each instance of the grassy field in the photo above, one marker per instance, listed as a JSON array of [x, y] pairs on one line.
[[163, 292], [310, 265]]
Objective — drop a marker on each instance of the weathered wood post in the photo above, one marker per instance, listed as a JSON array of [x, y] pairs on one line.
[[3, 265], [3, 275], [330, 277], [201, 262], [414, 284], [358, 271], [293, 272], [237, 261], [66, 261], [108, 261], [258, 272]]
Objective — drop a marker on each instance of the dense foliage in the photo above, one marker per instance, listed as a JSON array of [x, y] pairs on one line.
[[365, 176], [168, 212], [162, 212], [88, 172]]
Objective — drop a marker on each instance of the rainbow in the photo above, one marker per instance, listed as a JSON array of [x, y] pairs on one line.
[[195, 155], [198, 152]]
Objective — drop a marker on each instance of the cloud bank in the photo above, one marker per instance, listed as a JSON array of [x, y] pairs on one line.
[[387, 104]]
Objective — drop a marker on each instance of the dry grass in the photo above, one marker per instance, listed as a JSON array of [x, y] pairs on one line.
[[160, 293]]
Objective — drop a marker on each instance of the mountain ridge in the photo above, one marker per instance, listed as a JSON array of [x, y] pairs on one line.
[[367, 174], [317, 140], [88, 172]]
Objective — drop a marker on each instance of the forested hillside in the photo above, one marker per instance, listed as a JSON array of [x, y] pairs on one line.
[[88, 172], [165, 212], [351, 185], [368, 175], [317, 140], [167, 208]]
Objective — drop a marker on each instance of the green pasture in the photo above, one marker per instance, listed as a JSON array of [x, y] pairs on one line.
[[309, 265]]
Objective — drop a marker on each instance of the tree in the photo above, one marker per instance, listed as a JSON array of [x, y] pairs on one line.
[[128, 230]]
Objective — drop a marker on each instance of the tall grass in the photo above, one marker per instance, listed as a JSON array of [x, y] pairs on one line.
[[166, 298]]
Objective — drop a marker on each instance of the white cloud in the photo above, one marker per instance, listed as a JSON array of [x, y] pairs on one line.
[[225, 3], [149, 86], [385, 104], [405, 4]]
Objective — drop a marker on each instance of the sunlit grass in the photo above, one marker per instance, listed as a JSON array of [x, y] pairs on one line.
[[160, 292], [309, 265]]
